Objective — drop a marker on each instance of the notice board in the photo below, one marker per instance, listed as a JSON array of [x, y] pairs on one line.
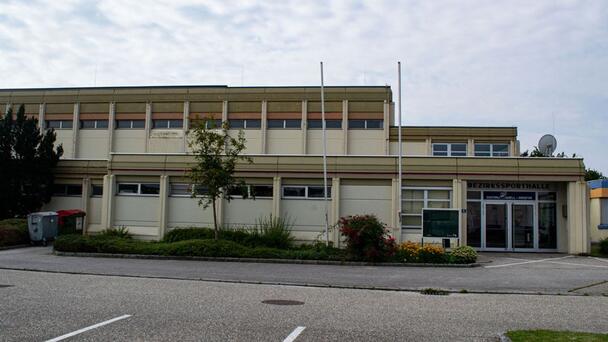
[[441, 223]]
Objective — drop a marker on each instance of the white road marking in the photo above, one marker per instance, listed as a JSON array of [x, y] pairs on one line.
[[94, 326], [528, 262], [571, 264], [294, 334]]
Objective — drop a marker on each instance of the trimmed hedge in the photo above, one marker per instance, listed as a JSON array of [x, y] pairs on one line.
[[604, 246], [13, 232], [272, 238], [196, 247]]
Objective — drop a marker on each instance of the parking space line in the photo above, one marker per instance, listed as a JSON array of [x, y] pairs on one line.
[[528, 262], [294, 334], [94, 326], [572, 264]]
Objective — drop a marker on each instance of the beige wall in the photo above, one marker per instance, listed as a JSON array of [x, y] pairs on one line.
[[93, 144], [166, 141], [410, 148], [366, 142], [366, 199], [308, 217], [64, 137], [595, 220], [63, 203], [185, 212], [138, 213], [253, 138], [244, 212], [335, 141], [284, 141], [129, 140]]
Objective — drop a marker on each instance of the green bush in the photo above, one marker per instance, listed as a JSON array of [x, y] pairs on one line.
[[13, 232], [463, 255], [272, 232], [120, 232], [604, 246], [367, 238]]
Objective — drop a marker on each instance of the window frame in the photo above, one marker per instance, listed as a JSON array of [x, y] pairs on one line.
[[65, 192], [95, 124], [138, 193], [168, 123], [491, 152], [61, 124], [246, 123], [306, 192], [308, 124], [98, 186], [449, 150], [425, 200], [131, 121], [366, 124], [284, 126]]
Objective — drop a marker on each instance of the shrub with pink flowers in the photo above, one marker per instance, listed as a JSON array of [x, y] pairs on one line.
[[367, 238]]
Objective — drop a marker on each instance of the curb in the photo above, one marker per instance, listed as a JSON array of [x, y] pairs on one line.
[[259, 260], [503, 338], [5, 248]]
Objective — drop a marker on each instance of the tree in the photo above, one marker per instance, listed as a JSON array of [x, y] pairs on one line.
[[591, 174], [27, 159], [216, 154]]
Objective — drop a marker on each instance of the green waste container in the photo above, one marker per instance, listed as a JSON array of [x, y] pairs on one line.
[[71, 221]]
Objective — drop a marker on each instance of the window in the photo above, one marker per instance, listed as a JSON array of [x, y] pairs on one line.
[[415, 199], [329, 124], [93, 124], [365, 124], [162, 123], [142, 189], [252, 191], [492, 150], [244, 123], [59, 124], [303, 191], [603, 213], [96, 190], [450, 149], [72, 190], [185, 190], [284, 123], [130, 124]]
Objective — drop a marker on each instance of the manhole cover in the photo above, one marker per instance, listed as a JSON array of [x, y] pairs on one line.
[[282, 302]]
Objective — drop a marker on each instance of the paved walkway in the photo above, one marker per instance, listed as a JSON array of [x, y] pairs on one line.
[[501, 272]]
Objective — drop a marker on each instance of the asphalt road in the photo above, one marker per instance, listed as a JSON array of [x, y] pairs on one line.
[[39, 306], [513, 273]]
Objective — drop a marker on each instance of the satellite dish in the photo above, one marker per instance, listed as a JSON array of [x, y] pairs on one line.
[[547, 145]]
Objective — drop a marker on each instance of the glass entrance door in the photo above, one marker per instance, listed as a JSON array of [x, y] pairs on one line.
[[522, 218], [496, 225]]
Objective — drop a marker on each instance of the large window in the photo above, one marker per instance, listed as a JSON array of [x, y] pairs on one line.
[[365, 124], [245, 123], [185, 190], [305, 191], [59, 124], [130, 124], [93, 124], [450, 149], [162, 123], [96, 190], [329, 124], [284, 123], [415, 199], [71, 190], [491, 150], [138, 189]]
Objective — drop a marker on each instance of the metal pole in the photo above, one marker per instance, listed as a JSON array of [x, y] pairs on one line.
[[324, 157], [400, 145]]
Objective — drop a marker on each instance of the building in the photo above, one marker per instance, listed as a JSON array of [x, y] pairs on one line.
[[598, 208], [126, 164]]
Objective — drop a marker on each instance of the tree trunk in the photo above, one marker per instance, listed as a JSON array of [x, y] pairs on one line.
[[216, 231]]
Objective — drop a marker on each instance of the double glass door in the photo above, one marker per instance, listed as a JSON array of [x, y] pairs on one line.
[[509, 225]]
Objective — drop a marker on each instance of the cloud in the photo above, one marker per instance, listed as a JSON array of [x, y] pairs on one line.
[[536, 65]]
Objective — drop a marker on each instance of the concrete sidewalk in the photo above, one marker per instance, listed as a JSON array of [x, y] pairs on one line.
[[509, 273]]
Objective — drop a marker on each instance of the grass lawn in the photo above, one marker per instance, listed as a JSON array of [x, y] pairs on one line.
[[554, 336]]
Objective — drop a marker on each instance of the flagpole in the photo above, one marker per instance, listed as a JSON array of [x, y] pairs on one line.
[[400, 203], [324, 157]]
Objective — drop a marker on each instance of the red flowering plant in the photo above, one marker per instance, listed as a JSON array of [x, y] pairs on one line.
[[367, 238]]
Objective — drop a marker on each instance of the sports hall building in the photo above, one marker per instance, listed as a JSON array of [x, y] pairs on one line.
[[126, 163]]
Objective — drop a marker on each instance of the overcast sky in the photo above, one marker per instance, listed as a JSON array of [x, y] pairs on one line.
[[539, 65]]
